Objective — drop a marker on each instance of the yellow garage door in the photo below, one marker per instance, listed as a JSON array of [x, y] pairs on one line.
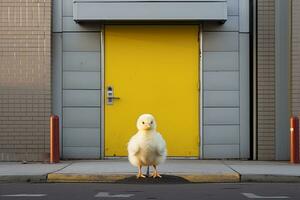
[[152, 69]]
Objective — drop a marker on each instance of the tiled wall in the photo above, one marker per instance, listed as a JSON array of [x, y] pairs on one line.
[[266, 79], [25, 73]]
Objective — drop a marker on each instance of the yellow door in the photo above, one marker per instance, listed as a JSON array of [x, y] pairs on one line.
[[152, 69]]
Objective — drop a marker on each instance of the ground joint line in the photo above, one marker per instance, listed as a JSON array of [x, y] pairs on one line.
[[107, 195], [254, 196], [23, 195]]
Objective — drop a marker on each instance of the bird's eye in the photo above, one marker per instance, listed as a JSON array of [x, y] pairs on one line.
[[143, 122], [151, 122]]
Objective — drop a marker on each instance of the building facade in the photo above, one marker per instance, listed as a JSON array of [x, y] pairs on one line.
[[217, 82]]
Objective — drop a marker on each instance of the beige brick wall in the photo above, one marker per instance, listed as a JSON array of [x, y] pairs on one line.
[[266, 79], [295, 56], [25, 79]]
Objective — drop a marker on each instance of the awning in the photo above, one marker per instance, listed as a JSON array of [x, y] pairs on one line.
[[149, 10]]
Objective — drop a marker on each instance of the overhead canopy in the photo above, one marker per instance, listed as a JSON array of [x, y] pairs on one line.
[[149, 10]]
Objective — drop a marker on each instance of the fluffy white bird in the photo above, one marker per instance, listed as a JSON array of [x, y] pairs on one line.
[[147, 147]]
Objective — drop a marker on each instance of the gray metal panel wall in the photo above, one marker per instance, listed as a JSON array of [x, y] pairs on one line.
[[282, 48], [78, 90], [226, 84], [266, 79]]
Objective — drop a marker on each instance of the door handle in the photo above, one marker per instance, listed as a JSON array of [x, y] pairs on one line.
[[110, 95]]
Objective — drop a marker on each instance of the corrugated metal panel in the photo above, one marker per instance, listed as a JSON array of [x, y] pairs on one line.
[[221, 41], [224, 82], [220, 61], [81, 80], [81, 98], [221, 98], [81, 41], [221, 81], [266, 79], [81, 86], [221, 116], [81, 137], [81, 152], [233, 7], [67, 8], [81, 61], [221, 151], [81, 117], [222, 134]]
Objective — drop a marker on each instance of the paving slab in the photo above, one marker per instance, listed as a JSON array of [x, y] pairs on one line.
[[30, 172], [266, 171]]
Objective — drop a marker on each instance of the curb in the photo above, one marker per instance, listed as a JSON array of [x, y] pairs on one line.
[[211, 178], [270, 178], [24, 178], [169, 178], [111, 178], [80, 178]]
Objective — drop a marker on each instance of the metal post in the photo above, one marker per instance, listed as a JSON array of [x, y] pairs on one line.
[[294, 140], [54, 139]]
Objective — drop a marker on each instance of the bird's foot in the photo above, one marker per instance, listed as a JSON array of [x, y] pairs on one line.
[[155, 175], [140, 175]]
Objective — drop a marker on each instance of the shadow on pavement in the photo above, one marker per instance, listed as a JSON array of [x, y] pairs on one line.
[[166, 179]]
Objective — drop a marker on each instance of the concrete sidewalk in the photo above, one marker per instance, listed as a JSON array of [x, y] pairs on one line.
[[178, 170]]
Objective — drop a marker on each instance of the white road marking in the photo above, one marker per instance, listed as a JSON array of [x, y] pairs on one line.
[[107, 195], [254, 196], [24, 195]]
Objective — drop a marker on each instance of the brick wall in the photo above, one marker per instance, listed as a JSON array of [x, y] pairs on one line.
[[266, 79], [295, 56], [25, 74]]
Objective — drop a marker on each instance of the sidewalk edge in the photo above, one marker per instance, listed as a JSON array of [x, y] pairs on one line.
[[193, 178], [24, 178]]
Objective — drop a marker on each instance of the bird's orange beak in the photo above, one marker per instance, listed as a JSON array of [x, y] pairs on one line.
[[147, 126]]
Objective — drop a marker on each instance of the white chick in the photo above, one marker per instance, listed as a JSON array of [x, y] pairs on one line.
[[147, 147]]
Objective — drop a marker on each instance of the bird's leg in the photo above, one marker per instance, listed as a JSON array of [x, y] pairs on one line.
[[155, 173], [140, 174]]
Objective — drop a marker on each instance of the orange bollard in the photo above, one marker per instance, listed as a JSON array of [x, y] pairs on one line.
[[294, 140], [54, 139]]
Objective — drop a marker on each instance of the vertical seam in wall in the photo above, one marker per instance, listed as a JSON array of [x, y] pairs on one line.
[[201, 149], [62, 79], [291, 59], [256, 81], [251, 77], [239, 61]]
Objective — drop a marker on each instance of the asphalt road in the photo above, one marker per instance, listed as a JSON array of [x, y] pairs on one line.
[[86, 191]]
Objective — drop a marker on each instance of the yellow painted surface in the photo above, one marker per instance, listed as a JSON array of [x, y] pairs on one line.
[[153, 69]]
